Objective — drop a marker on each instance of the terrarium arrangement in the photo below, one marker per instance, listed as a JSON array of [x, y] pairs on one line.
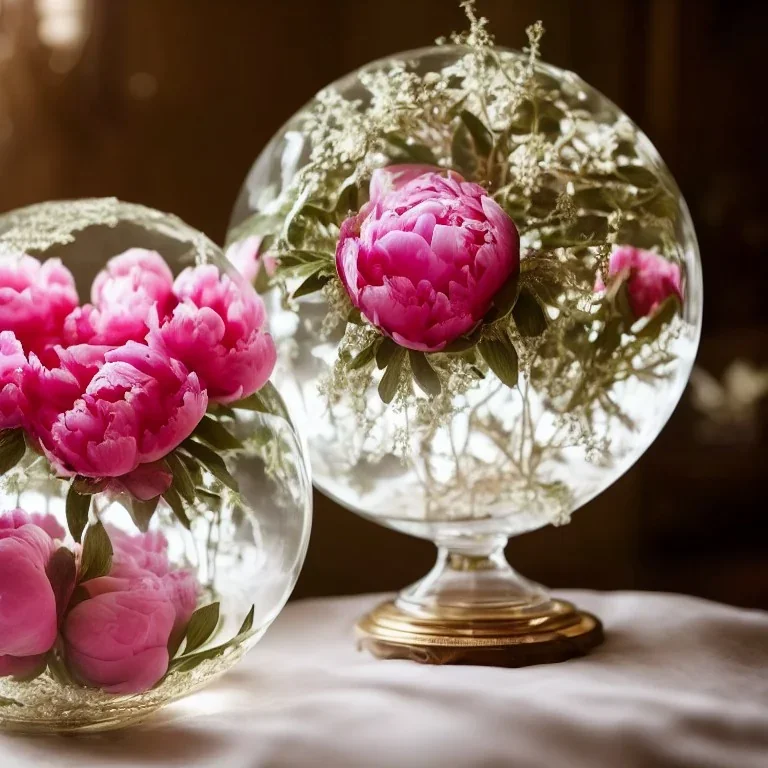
[[154, 497], [486, 298]]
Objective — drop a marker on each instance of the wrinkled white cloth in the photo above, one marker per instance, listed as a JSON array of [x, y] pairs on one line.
[[679, 682]]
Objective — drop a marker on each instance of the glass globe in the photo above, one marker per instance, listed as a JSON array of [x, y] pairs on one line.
[[240, 539], [506, 460]]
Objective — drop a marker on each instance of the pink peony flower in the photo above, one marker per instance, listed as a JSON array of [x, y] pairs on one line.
[[146, 482], [135, 555], [147, 554], [35, 299], [28, 618], [651, 278], [137, 408], [217, 331], [117, 640], [246, 257], [123, 294], [22, 527], [50, 392], [13, 363], [424, 258]]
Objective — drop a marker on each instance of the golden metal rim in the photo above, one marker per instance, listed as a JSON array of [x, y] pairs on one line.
[[556, 633]]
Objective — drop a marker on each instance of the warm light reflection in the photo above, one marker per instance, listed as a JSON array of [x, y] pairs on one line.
[[61, 22]]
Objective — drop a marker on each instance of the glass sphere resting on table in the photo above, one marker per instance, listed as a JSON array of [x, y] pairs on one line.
[[155, 500], [486, 295]]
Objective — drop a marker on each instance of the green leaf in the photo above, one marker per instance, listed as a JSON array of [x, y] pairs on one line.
[[7, 702], [141, 512], [201, 626], [61, 571], [504, 300], [216, 435], [384, 353], [663, 315], [193, 467], [621, 302], [365, 356], [207, 494], [188, 663], [262, 283], [413, 151], [638, 176], [182, 481], [212, 461], [312, 284], [247, 624], [528, 315], [96, 559], [610, 337], [355, 317], [176, 504], [391, 378], [481, 136], [464, 156], [298, 257], [88, 486], [348, 199], [425, 375], [501, 356], [77, 507], [12, 449], [464, 343], [523, 121], [547, 291], [254, 402]]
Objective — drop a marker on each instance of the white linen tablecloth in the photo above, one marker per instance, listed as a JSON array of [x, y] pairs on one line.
[[679, 682]]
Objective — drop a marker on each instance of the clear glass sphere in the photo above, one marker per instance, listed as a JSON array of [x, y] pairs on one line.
[[244, 544], [507, 461]]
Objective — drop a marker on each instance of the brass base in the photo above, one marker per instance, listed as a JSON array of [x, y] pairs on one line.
[[498, 638]]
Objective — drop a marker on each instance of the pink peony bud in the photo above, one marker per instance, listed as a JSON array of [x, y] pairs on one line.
[[147, 554], [122, 295], [137, 408], [13, 363], [425, 257], [118, 639], [650, 278], [27, 601], [35, 299], [217, 332]]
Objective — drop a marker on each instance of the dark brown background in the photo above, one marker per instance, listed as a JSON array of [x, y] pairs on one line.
[[168, 102]]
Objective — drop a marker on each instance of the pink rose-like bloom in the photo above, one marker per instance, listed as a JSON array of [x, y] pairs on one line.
[[123, 294], [424, 258], [217, 331], [13, 363], [651, 278], [117, 640], [147, 554], [51, 391], [245, 257], [137, 408], [35, 299], [28, 617]]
